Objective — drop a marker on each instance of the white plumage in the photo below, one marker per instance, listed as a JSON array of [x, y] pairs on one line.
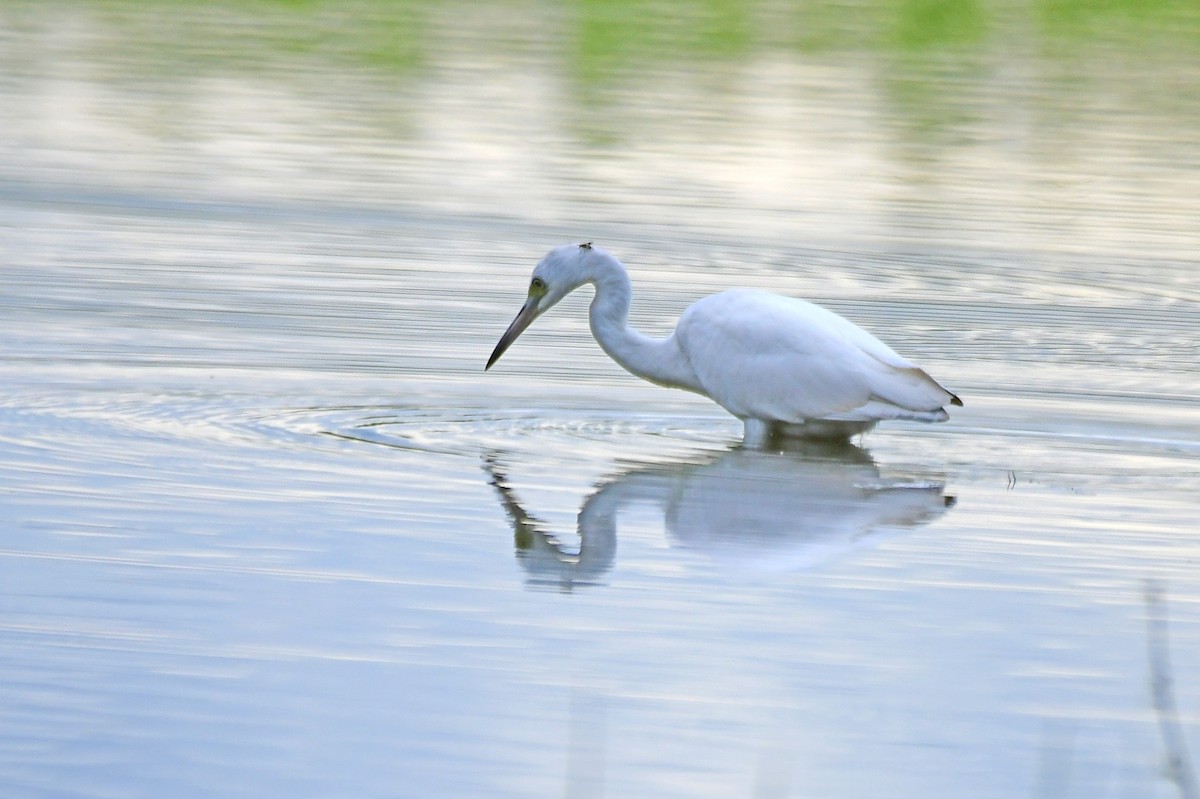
[[781, 365]]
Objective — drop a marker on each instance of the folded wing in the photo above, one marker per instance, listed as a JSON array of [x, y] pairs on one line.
[[764, 356]]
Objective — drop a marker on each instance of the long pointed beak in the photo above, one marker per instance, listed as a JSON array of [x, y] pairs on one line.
[[524, 318]]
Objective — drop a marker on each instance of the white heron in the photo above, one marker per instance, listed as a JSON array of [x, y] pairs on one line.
[[781, 365]]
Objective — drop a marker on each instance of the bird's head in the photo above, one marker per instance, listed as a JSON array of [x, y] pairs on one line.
[[561, 271]]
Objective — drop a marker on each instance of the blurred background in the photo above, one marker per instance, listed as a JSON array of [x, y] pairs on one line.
[[268, 529], [1050, 124]]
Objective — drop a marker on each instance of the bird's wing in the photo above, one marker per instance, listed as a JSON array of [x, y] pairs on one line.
[[764, 356]]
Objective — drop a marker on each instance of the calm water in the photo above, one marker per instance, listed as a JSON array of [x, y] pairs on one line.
[[269, 530]]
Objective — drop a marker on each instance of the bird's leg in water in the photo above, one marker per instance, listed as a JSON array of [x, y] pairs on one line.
[[756, 433]]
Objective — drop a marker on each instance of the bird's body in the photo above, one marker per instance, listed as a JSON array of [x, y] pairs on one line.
[[781, 365]]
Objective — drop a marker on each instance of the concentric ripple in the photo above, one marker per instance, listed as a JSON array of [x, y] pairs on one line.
[[467, 431], [55, 422]]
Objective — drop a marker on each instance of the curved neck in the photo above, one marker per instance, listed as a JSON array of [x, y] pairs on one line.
[[657, 360]]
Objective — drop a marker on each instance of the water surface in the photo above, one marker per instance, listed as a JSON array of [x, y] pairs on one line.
[[270, 530]]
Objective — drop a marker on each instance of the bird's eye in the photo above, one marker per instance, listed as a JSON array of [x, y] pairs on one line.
[[538, 284]]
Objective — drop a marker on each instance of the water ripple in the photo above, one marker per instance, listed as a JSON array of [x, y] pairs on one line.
[[54, 423], [466, 431]]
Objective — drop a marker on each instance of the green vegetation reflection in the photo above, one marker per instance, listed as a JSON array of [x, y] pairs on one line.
[[604, 39]]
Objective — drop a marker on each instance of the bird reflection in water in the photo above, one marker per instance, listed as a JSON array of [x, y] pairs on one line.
[[746, 509]]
